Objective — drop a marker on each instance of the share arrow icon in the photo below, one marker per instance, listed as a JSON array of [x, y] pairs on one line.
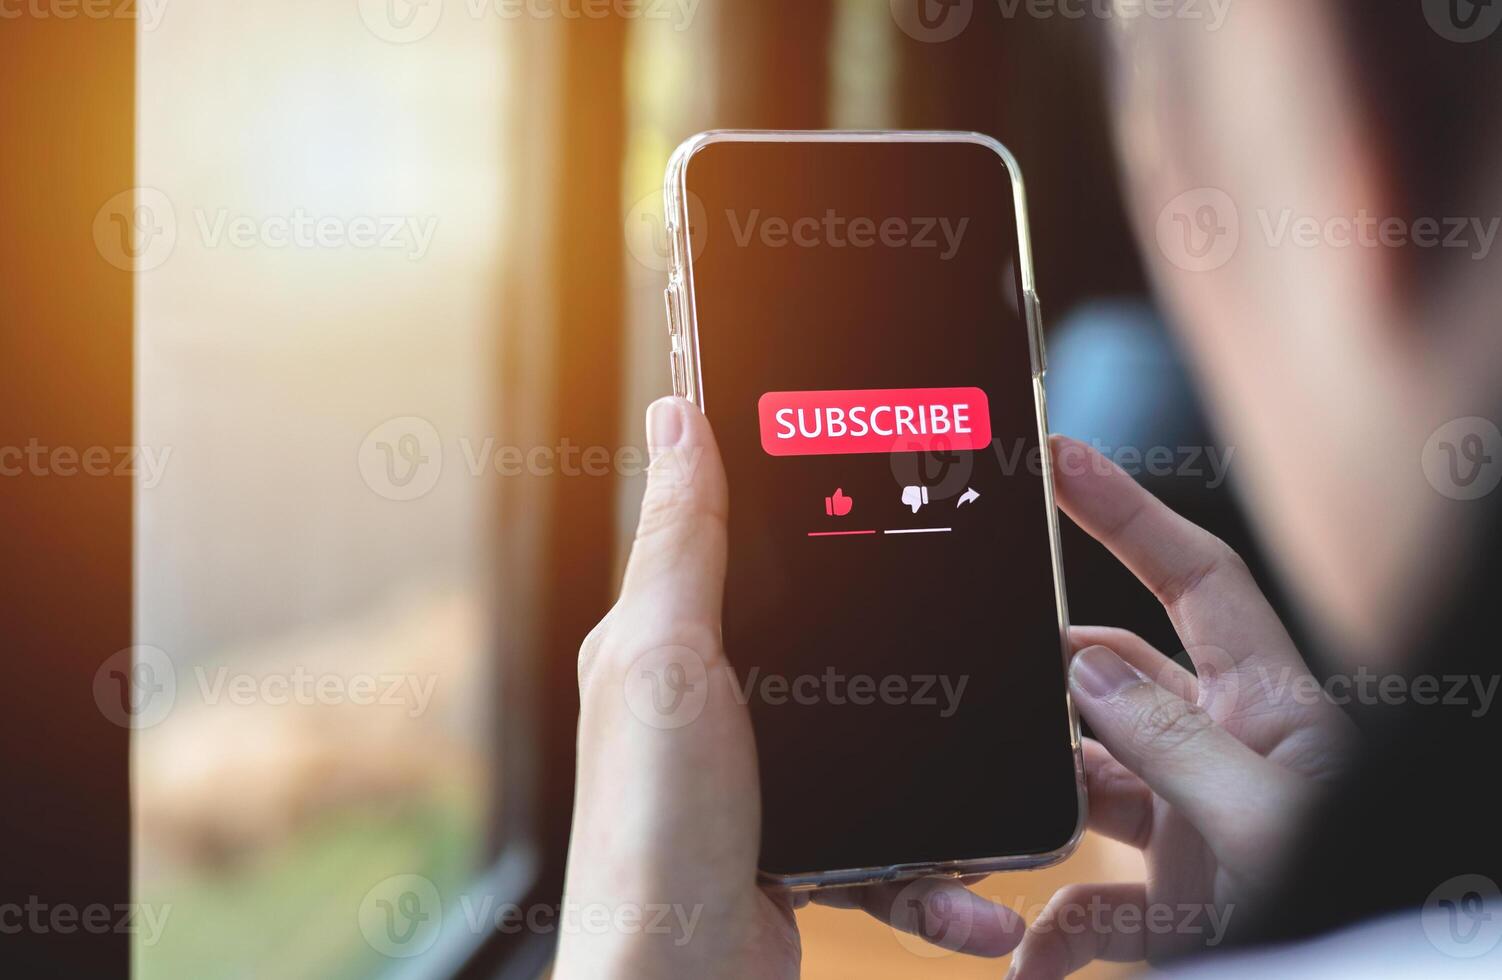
[[968, 497]]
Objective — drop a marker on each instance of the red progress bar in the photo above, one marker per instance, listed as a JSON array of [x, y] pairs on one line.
[[836, 534]]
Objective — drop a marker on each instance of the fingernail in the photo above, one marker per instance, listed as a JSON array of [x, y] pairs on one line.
[[1101, 674], [664, 423]]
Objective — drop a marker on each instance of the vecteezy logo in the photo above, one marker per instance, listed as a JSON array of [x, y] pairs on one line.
[[401, 916], [1463, 458], [933, 927], [402, 458], [1202, 674], [1465, 14], [136, 230], [648, 237], [1200, 230], [943, 469], [136, 687], [1465, 472], [839, 505], [1463, 21], [667, 687], [932, 21], [401, 21], [1463, 916]]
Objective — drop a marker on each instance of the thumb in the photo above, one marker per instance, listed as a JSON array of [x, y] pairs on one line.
[[675, 578], [666, 803], [1179, 751], [677, 565]]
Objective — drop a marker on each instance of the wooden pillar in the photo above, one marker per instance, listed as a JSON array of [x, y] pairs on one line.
[[67, 91]]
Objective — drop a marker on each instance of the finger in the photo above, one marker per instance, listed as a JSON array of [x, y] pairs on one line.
[[941, 911], [1078, 926], [675, 578], [1180, 753], [1248, 669], [1140, 654], [1210, 596], [680, 536], [1121, 805]]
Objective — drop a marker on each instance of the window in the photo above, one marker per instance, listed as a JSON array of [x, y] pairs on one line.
[[317, 354]]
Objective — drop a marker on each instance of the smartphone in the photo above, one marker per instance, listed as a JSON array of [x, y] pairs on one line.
[[855, 313]]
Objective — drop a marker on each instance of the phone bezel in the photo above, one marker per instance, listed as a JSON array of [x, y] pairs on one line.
[[688, 382]]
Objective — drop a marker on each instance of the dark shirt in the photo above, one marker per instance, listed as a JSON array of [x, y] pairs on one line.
[[1420, 806]]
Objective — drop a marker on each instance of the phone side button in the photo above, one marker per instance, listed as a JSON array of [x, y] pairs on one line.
[[1035, 317], [675, 253], [675, 364], [670, 301]]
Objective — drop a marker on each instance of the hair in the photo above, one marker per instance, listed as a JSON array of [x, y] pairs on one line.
[[1418, 806], [1430, 100]]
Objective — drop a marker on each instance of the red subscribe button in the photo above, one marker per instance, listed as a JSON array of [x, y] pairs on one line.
[[897, 420]]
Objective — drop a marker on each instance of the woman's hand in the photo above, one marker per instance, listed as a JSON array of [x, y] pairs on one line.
[[1206, 774], [667, 813]]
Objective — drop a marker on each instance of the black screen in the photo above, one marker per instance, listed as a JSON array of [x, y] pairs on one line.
[[903, 666]]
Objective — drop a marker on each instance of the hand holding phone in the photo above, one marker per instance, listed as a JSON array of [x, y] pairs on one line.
[[669, 823], [667, 806], [855, 313], [667, 816]]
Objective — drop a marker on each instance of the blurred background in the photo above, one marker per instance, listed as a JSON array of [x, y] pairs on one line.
[[398, 271]]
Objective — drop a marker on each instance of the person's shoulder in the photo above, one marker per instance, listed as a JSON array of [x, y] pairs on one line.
[[1450, 940]]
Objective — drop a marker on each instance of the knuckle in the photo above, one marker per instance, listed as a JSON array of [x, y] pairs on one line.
[[1225, 555], [662, 509], [1168, 723], [672, 509], [1069, 897], [590, 650], [1063, 913], [1125, 638], [1216, 557], [617, 654]]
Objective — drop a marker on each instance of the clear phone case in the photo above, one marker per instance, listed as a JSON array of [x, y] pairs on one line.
[[683, 330]]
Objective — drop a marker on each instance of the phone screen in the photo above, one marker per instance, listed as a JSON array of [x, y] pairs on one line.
[[890, 605]]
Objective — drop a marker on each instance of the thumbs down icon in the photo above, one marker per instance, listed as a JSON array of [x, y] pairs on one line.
[[915, 497]]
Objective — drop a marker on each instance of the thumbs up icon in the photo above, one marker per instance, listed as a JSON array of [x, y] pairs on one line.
[[839, 505]]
